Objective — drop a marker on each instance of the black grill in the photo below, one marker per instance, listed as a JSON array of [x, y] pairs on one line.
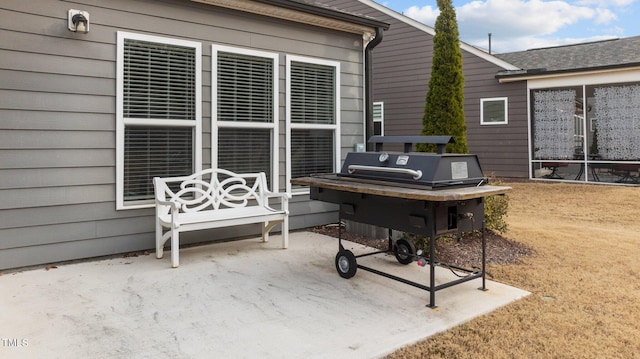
[[429, 194], [419, 170]]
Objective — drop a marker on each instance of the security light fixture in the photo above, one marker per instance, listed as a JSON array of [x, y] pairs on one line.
[[78, 21]]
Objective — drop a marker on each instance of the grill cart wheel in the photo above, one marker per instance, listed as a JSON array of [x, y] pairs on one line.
[[346, 264], [405, 251]]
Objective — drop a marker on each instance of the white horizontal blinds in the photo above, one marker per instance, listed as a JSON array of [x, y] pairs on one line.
[[245, 88], [159, 84], [245, 94], [155, 151], [245, 150], [313, 107], [311, 152], [313, 93], [159, 81]]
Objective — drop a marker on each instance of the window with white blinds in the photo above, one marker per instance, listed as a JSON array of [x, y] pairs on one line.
[[244, 121], [159, 110], [245, 150], [245, 88], [313, 93], [159, 81], [312, 151], [151, 152], [313, 119]]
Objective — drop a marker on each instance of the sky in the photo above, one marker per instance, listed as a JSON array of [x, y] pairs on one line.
[[518, 25]]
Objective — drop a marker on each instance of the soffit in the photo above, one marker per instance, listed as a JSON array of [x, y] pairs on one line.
[[291, 15]]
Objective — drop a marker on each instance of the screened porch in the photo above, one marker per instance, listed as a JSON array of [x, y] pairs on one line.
[[588, 133]]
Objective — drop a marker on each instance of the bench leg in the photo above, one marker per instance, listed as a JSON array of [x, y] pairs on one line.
[[175, 248], [267, 226], [159, 243], [285, 233], [265, 231]]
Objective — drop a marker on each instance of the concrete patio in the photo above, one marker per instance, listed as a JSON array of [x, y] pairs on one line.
[[241, 299]]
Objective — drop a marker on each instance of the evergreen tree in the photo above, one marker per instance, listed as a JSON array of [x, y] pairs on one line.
[[444, 108]]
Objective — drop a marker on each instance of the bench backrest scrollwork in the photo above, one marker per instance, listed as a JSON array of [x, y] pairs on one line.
[[213, 189]]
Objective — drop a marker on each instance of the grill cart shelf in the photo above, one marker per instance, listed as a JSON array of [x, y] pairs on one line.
[[410, 203]]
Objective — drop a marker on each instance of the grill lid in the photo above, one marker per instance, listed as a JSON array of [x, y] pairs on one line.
[[415, 169]]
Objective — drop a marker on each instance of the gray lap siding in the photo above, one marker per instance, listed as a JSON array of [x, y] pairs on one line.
[[58, 118]]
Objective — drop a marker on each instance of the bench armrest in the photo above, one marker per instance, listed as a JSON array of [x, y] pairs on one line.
[[283, 196], [173, 204]]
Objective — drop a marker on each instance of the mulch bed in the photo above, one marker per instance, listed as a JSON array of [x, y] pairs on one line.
[[465, 252]]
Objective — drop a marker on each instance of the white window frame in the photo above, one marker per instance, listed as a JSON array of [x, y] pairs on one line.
[[292, 125], [506, 111], [122, 122], [381, 119], [273, 125]]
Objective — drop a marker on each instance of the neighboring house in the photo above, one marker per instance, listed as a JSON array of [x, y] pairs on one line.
[[584, 102], [563, 113], [496, 114], [160, 88]]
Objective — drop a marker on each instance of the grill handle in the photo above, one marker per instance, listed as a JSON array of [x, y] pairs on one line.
[[416, 174]]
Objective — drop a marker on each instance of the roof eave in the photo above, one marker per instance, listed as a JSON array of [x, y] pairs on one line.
[[522, 74], [305, 13], [327, 12]]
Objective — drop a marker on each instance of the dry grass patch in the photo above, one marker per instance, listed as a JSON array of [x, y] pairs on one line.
[[584, 280]]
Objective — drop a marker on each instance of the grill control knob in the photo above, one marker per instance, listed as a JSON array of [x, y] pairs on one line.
[[384, 157]]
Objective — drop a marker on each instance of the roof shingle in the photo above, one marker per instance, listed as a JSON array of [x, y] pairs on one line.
[[614, 52]]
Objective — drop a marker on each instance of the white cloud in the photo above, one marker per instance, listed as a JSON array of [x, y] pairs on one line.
[[519, 17], [522, 24], [426, 14], [604, 16]]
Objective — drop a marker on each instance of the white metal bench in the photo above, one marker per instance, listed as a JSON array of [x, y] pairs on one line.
[[215, 198]]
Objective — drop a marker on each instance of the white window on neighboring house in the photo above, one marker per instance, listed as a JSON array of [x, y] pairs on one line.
[[378, 118], [313, 117], [244, 131], [493, 111], [158, 111]]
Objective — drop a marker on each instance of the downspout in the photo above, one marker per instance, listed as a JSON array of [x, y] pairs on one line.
[[368, 86]]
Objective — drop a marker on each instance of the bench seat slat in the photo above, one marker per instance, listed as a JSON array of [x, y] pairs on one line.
[[222, 216]]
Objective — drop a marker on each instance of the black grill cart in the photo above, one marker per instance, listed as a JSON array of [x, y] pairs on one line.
[[429, 194]]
